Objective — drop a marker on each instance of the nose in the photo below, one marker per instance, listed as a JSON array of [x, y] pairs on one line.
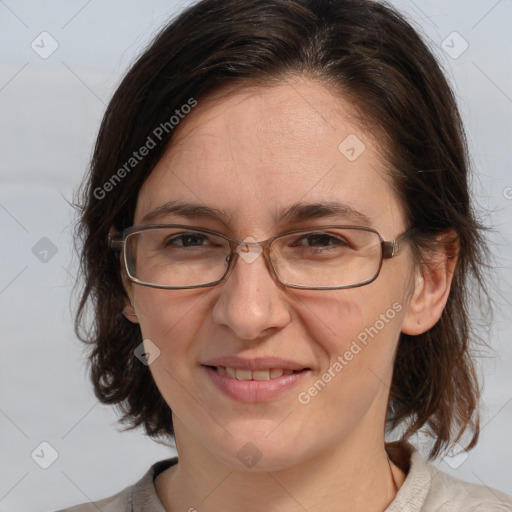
[[250, 302]]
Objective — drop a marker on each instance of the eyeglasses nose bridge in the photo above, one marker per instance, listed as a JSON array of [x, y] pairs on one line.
[[234, 255]]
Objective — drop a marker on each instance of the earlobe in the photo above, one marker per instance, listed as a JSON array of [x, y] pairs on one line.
[[128, 309], [432, 285], [129, 313]]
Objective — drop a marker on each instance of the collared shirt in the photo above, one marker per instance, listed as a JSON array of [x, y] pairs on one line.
[[425, 489]]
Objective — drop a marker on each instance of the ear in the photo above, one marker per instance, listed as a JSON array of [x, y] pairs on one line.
[[128, 310], [432, 285], [129, 313]]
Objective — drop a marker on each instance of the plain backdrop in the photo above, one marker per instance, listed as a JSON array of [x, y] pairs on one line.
[[51, 107]]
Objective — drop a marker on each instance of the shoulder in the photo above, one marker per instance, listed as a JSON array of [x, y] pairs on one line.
[[428, 489], [139, 497], [455, 495], [116, 503]]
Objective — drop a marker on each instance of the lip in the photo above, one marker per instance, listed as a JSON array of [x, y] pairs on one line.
[[254, 391], [260, 363]]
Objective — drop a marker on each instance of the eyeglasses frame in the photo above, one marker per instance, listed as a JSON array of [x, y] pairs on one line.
[[389, 249]]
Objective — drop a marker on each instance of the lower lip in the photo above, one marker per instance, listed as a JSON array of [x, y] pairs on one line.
[[254, 391]]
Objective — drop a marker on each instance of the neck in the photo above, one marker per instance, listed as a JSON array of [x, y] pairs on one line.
[[352, 477]]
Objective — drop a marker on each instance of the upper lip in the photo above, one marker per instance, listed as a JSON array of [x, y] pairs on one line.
[[260, 363]]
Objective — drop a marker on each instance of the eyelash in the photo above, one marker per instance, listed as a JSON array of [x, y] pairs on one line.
[[182, 236], [333, 241]]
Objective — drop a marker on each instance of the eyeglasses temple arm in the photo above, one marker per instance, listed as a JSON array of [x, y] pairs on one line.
[[115, 242], [390, 249]]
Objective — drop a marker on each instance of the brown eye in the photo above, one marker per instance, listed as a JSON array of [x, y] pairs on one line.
[[187, 240], [320, 240]]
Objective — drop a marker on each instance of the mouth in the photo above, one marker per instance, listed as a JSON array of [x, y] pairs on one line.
[[245, 374], [254, 381]]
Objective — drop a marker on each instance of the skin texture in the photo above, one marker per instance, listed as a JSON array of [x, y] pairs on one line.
[[251, 153]]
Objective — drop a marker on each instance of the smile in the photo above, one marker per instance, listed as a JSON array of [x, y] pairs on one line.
[[254, 386], [244, 374]]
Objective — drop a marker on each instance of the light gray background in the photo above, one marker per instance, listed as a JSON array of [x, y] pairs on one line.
[[50, 111]]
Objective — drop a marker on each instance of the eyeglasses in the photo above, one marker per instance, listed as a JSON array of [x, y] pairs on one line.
[[174, 256]]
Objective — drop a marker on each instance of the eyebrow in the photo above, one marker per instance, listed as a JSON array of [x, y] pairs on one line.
[[191, 210], [295, 213], [306, 211]]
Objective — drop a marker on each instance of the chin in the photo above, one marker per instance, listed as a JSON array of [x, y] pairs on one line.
[[250, 452]]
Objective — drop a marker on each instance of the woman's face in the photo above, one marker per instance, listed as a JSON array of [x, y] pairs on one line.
[[250, 156]]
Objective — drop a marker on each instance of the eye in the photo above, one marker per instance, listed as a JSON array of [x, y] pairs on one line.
[[187, 240], [320, 240]]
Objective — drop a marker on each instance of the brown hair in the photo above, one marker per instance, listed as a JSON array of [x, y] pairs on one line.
[[371, 55]]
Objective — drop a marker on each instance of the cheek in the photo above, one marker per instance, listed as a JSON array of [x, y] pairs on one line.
[[337, 318], [355, 332], [170, 318]]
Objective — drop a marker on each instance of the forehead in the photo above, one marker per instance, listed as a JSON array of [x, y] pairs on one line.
[[258, 150]]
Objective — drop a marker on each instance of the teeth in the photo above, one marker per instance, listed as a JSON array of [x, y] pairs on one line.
[[239, 374], [261, 375], [243, 374]]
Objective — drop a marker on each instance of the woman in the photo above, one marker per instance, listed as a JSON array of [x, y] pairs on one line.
[[279, 245]]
